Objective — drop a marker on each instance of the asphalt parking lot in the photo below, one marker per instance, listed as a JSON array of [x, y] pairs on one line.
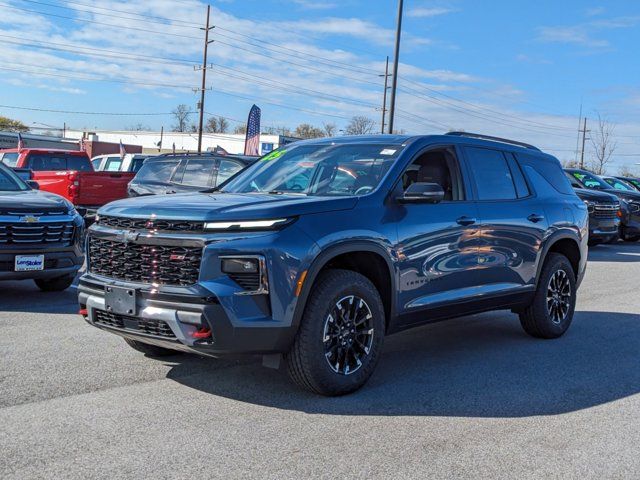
[[473, 398]]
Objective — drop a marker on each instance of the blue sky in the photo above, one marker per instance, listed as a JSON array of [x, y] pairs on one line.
[[516, 69]]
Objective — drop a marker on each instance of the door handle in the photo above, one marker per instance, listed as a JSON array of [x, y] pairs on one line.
[[465, 221], [535, 218]]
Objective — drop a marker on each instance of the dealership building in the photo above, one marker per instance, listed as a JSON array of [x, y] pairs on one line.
[[165, 142]]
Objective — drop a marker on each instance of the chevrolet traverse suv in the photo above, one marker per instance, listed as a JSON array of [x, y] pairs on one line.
[[317, 251]]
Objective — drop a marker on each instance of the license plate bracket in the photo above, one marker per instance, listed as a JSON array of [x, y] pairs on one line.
[[119, 300], [29, 263]]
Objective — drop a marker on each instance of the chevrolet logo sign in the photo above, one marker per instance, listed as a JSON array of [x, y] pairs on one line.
[[29, 219]]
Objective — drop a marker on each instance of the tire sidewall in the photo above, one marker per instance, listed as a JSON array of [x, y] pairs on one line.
[[314, 321], [558, 262]]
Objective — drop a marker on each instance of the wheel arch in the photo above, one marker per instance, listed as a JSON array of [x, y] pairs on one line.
[[380, 273], [565, 244]]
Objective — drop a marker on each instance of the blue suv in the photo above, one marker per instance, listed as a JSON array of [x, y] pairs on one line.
[[317, 251]]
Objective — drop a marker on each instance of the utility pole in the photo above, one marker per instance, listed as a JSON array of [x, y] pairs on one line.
[[204, 79], [384, 95], [584, 139], [394, 85], [578, 138]]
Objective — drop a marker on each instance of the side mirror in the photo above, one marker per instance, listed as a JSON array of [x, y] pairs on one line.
[[422, 193], [33, 184]]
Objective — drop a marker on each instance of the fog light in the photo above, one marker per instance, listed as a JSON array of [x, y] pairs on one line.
[[240, 265]]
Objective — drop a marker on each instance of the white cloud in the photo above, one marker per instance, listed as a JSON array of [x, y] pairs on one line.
[[316, 4], [424, 12], [594, 11]]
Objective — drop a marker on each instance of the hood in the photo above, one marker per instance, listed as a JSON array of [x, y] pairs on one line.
[[624, 195], [595, 195], [225, 206], [32, 200]]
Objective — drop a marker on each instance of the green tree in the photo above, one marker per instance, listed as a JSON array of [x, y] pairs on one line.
[[10, 125]]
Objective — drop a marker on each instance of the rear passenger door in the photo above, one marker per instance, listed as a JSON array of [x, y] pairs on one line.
[[512, 220]]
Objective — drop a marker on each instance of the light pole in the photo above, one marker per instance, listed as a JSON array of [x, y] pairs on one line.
[[394, 80]]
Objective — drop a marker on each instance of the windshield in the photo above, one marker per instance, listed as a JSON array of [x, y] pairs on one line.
[[10, 182], [619, 185], [324, 169], [156, 171], [591, 181]]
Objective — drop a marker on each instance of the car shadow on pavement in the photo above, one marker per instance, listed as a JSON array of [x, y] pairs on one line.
[[478, 366], [620, 252], [24, 296]]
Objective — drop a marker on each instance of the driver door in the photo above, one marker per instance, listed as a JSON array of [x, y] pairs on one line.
[[438, 242]]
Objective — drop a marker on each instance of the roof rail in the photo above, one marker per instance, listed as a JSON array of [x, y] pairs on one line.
[[495, 139]]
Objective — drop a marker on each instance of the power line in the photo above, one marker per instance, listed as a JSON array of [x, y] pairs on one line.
[[140, 15], [98, 23]]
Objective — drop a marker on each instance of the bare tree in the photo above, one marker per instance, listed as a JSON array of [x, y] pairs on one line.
[[571, 163], [603, 144], [360, 125], [138, 127], [626, 171], [240, 130], [181, 115], [329, 129], [306, 130], [217, 125]]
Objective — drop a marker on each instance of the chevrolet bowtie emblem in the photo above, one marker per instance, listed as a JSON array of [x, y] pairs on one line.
[[29, 219]]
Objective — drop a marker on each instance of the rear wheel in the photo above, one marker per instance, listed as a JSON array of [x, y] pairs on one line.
[[340, 337], [150, 350], [55, 284], [551, 311]]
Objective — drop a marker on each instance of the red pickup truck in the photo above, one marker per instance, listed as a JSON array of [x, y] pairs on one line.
[[70, 174]]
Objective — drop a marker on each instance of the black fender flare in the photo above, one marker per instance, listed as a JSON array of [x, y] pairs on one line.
[[550, 241], [333, 251]]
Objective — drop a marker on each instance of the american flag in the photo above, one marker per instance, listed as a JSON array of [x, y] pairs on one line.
[[220, 151], [252, 140], [20, 141], [82, 145], [123, 152]]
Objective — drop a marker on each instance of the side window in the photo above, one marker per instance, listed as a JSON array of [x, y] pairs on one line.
[[10, 159], [491, 174], [198, 172], [113, 164], [80, 164], [227, 169], [522, 189], [436, 166]]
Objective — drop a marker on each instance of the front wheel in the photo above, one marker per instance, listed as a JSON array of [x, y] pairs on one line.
[[551, 311], [341, 334]]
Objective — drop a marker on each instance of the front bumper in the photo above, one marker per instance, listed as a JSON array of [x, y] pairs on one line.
[[603, 228], [184, 314], [58, 263]]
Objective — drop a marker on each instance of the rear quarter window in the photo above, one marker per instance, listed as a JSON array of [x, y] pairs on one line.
[[550, 170], [10, 159]]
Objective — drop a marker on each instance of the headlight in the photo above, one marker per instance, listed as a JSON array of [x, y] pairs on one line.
[[247, 224], [590, 205]]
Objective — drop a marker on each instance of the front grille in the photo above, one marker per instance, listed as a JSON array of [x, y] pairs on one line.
[[37, 233], [248, 281], [157, 328], [150, 224], [605, 210], [155, 264]]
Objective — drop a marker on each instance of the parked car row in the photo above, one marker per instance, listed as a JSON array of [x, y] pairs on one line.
[[629, 198]]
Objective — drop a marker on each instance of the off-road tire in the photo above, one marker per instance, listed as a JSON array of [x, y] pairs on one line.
[[150, 350], [55, 284], [306, 362], [536, 319]]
